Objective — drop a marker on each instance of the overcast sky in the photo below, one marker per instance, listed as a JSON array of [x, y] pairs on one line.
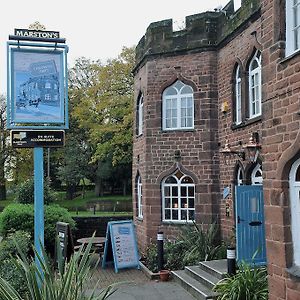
[[95, 29]]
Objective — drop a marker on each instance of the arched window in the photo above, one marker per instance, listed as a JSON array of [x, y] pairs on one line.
[[255, 85], [239, 176], [178, 107], [139, 198], [238, 96], [294, 182], [256, 175], [178, 196], [140, 115]]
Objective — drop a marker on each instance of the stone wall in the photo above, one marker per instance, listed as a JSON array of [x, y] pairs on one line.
[[154, 151], [280, 147], [203, 31], [85, 227], [237, 51], [204, 56]]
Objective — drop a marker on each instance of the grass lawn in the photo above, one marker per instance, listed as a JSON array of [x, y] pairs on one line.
[[80, 202], [89, 197], [101, 214]]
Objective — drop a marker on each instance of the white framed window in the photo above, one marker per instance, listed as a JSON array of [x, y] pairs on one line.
[[255, 85], [256, 175], [294, 183], [178, 107], [178, 197], [47, 85], [139, 198], [140, 117], [292, 26], [238, 96]]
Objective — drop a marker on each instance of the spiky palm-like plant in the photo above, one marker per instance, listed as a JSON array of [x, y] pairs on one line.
[[43, 282], [248, 284]]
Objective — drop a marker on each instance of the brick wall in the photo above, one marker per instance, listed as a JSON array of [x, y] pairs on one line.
[[198, 147], [281, 147], [210, 72], [238, 50]]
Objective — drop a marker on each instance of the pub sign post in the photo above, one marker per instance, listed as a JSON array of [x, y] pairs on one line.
[[37, 103]]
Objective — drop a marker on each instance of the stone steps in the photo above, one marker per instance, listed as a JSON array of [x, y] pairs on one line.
[[199, 280]]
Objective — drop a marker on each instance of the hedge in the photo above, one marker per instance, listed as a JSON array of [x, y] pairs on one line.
[[21, 217]]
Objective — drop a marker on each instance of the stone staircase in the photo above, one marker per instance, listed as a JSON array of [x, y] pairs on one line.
[[199, 280]]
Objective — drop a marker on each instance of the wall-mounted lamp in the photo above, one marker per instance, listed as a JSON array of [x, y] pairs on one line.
[[253, 147], [228, 152], [249, 151]]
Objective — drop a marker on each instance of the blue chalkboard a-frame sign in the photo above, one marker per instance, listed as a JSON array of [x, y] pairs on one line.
[[121, 246]]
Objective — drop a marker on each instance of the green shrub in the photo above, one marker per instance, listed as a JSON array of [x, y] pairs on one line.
[[193, 244], [248, 284], [8, 247], [8, 252], [21, 217], [201, 244], [25, 193], [43, 282]]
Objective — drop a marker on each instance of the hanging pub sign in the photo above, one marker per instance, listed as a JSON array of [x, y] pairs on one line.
[[37, 82], [26, 33]]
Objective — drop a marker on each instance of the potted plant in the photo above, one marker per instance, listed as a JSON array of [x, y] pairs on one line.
[[164, 275]]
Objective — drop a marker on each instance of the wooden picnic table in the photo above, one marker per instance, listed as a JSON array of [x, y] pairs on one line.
[[96, 240], [97, 243]]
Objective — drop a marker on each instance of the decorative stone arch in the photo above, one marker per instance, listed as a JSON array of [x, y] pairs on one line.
[[286, 160], [173, 79], [236, 172], [170, 171], [237, 62], [249, 169], [283, 196], [294, 197], [256, 47]]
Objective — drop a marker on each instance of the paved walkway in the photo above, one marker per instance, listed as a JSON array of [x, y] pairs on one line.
[[134, 285]]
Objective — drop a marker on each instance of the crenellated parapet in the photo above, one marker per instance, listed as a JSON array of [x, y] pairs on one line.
[[203, 31]]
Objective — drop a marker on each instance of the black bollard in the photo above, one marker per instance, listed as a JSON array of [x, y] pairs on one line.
[[231, 265], [160, 250]]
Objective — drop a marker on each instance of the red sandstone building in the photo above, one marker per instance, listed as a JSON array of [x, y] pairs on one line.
[[217, 132]]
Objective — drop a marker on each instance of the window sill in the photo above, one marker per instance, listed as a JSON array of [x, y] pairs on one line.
[[139, 135], [291, 56], [179, 129], [172, 222], [246, 123], [294, 271], [139, 219]]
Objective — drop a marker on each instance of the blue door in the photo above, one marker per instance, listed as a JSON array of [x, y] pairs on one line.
[[250, 224]]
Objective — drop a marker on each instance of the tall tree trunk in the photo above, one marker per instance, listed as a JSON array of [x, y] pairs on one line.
[[124, 187], [71, 191], [99, 187]]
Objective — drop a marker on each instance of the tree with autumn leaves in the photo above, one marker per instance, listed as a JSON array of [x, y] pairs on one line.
[[99, 142], [101, 118]]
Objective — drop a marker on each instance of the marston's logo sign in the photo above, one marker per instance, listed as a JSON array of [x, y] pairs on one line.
[[37, 34]]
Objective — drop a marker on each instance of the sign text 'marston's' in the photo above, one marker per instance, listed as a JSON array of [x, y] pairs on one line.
[[37, 33]]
